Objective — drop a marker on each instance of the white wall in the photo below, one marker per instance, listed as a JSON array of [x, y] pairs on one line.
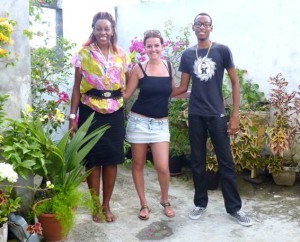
[[78, 16], [264, 36]]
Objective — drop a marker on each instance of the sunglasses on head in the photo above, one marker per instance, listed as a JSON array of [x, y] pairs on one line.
[[152, 32]]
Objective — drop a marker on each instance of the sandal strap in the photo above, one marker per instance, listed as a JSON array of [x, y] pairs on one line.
[[167, 204], [145, 206]]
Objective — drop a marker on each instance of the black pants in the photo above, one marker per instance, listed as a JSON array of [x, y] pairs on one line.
[[199, 129]]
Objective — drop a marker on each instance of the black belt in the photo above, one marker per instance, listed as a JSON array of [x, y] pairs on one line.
[[104, 94]]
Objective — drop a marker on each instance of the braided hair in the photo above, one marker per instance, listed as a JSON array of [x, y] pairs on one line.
[[109, 17]]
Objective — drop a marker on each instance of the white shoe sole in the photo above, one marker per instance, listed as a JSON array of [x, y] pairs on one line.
[[197, 217]]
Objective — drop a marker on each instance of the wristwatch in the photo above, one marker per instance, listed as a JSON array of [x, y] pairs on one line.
[[72, 116]]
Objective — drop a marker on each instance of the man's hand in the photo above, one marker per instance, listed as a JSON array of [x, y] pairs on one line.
[[233, 125]]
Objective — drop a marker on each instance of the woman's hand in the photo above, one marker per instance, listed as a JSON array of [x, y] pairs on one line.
[[73, 127]]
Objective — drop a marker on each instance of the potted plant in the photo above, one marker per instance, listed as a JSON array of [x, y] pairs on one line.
[[248, 144], [283, 130], [30, 149], [247, 148], [179, 141], [8, 204], [63, 199]]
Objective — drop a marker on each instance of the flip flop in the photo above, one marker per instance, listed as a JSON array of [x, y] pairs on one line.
[[145, 217], [171, 212]]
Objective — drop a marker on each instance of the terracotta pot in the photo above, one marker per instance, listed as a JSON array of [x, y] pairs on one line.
[[51, 226], [52, 230]]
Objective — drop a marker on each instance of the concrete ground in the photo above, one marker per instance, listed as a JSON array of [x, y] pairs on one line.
[[274, 209]]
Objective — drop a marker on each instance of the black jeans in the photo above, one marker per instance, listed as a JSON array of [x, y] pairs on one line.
[[199, 129]]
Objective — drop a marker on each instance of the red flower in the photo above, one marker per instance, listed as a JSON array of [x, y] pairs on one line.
[[35, 229]]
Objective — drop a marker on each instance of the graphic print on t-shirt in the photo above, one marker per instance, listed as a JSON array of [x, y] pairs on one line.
[[204, 68]]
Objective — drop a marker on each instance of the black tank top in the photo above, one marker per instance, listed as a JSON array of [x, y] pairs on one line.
[[154, 94]]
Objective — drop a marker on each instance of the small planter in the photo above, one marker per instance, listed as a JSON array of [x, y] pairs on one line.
[[175, 165], [287, 177]]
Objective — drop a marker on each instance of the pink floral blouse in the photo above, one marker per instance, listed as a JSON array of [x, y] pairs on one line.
[[99, 73]]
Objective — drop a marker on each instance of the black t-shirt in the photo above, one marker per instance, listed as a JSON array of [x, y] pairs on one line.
[[207, 78], [154, 94]]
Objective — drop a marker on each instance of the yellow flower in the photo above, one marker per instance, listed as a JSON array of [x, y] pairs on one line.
[[49, 184], [6, 28], [59, 116], [3, 53], [29, 108], [4, 38]]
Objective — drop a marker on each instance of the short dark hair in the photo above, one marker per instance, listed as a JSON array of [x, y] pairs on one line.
[[205, 14]]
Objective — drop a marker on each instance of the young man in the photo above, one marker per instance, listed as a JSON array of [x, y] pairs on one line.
[[205, 63]]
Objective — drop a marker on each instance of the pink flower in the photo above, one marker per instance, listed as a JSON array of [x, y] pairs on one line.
[[63, 97], [50, 88], [141, 58]]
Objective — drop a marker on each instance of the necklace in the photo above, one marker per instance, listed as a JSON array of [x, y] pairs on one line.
[[203, 59], [105, 64], [105, 57]]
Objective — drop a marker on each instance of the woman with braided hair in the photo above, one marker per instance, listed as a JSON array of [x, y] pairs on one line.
[[100, 76]]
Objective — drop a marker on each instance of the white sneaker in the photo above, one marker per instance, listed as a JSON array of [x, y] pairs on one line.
[[241, 218], [196, 213]]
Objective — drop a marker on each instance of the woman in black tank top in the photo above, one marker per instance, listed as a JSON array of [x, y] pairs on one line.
[[148, 120]]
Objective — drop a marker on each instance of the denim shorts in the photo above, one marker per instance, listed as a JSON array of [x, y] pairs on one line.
[[143, 130]]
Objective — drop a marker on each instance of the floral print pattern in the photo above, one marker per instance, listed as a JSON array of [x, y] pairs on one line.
[[99, 73]]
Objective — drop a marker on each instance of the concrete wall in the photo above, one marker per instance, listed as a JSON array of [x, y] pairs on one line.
[[15, 81], [264, 36]]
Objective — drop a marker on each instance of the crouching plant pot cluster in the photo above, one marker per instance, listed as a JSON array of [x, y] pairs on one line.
[[284, 128]]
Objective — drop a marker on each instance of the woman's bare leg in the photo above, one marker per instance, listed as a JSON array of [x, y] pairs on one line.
[[139, 152], [160, 152], [93, 181], [109, 175]]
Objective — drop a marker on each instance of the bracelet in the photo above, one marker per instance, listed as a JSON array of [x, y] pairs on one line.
[[72, 116]]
